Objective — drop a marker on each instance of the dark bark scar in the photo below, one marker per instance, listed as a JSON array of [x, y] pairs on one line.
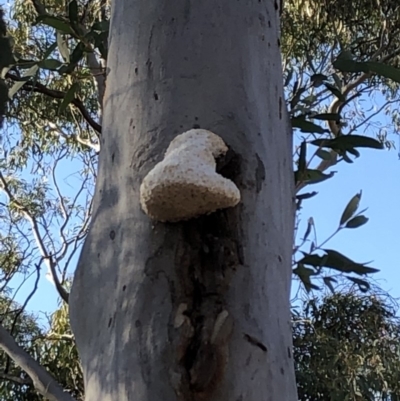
[[255, 342]]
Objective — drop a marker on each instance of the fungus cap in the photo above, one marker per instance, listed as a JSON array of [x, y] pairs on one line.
[[185, 184]]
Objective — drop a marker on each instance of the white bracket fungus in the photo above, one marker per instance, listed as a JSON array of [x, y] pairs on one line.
[[185, 184]]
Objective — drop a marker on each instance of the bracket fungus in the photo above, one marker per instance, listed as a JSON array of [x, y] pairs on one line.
[[185, 184]]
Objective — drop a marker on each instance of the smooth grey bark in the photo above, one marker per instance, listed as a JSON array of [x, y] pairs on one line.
[[196, 310]]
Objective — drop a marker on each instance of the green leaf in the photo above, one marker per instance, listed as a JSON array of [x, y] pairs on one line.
[[104, 26], [354, 152], [337, 261], [289, 76], [327, 116], [18, 85], [345, 55], [63, 46], [50, 64], [357, 221], [341, 263], [6, 54], [350, 66], [362, 284], [323, 154], [350, 208], [313, 260], [75, 57], [308, 230], [304, 274], [358, 141], [69, 97], [296, 95], [337, 80], [50, 50], [302, 157], [73, 11], [307, 126], [23, 65], [328, 282], [309, 176], [318, 79], [4, 98], [381, 69], [101, 43], [384, 70], [345, 142], [336, 92], [307, 195], [55, 22], [347, 158], [77, 53]]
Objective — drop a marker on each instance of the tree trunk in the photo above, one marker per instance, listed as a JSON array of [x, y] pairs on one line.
[[197, 310]]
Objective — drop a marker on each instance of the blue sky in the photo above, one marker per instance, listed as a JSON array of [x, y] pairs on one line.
[[377, 174]]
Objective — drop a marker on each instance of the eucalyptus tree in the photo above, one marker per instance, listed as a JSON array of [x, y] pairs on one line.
[[172, 68], [346, 346]]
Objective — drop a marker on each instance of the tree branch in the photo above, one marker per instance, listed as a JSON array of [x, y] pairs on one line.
[[98, 74], [338, 104], [15, 379], [44, 383], [40, 88], [39, 241]]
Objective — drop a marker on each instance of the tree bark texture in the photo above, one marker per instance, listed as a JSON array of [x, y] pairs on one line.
[[196, 310]]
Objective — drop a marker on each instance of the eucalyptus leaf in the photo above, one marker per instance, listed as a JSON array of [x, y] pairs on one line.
[[302, 157], [304, 274], [328, 282], [323, 154], [362, 284], [104, 26], [384, 70], [18, 85], [310, 176], [350, 208], [327, 116], [55, 22], [287, 78], [350, 66], [318, 79], [73, 11], [50, 64], [308, 229], [63, 46], [356, 222], [307, 195], [342, 263], [345, 142], [307, 126], [69, 97], [335, 91]]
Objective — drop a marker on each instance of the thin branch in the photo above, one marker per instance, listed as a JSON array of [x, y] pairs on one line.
[[98, 73], [27, 299], [58, 131], [337, 105], [39, 240], [15, 379], [44, 383], [40, 88]]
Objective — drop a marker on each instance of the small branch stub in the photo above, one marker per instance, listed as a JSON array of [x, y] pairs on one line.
[[185, 184]]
